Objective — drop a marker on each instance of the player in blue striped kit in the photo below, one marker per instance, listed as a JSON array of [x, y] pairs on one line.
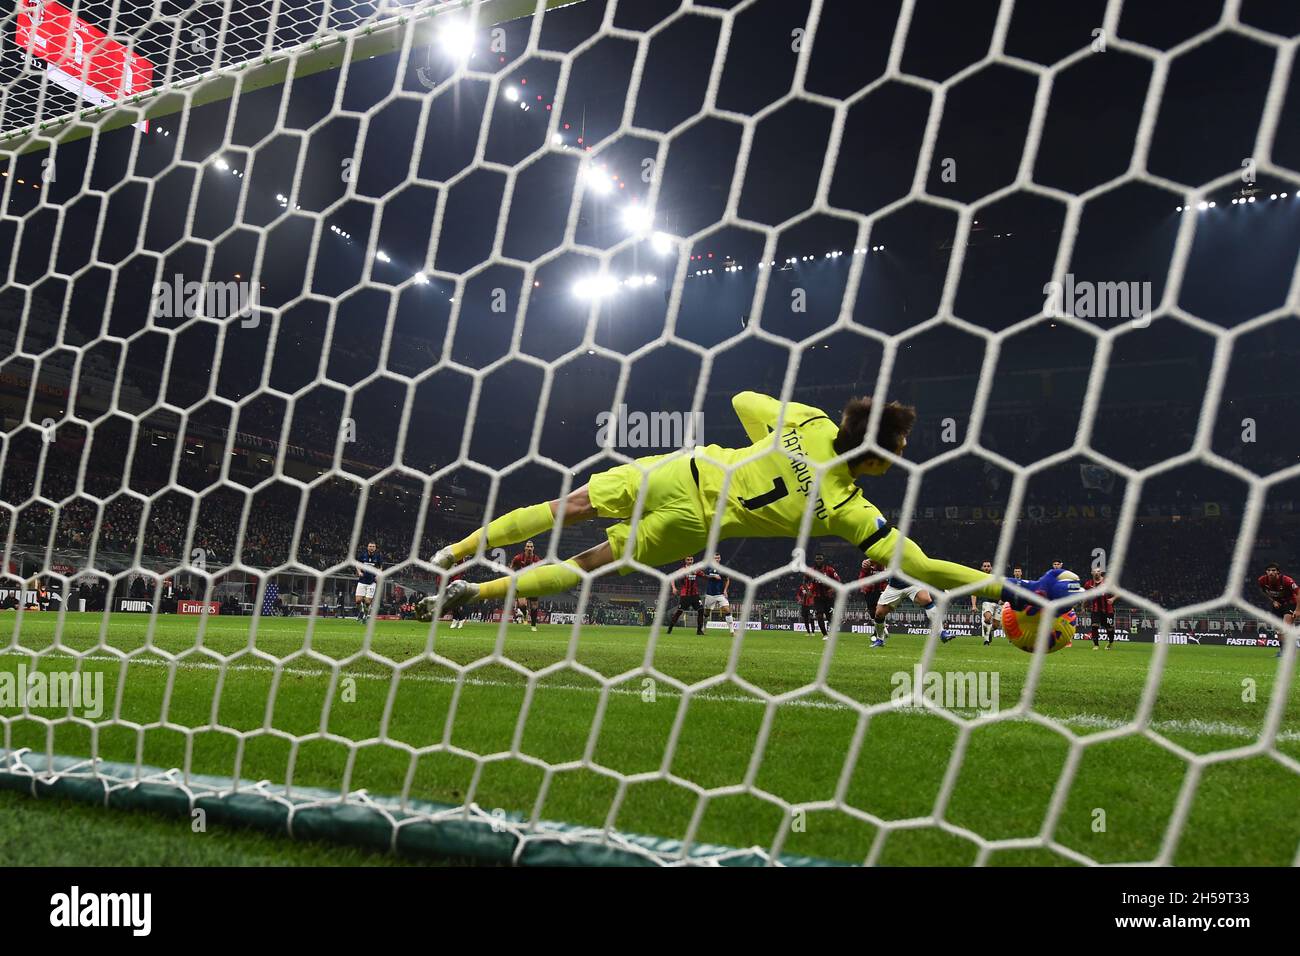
[[715, 592], [369, 563]]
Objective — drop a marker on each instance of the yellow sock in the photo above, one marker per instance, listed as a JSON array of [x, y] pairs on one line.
[[935, 572], [518, 525], [537, 581]]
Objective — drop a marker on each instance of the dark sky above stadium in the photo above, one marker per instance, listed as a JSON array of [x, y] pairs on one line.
[[1207, 120]]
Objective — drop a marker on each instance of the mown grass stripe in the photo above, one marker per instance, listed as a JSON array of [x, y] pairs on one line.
[[1194, 727]]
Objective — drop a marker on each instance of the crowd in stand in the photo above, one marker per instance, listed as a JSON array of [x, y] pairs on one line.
[[1178, 553], [268, 524], [1170, 562]]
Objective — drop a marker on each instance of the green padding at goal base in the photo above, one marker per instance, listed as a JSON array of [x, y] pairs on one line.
[[419, 828]]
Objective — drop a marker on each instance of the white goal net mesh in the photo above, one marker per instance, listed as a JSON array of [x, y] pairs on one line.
[[381, 284]]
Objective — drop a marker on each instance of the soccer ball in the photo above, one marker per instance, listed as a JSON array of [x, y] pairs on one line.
[[1021, 627]]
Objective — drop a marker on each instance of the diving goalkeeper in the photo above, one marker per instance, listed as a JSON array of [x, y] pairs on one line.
[[771, 489]]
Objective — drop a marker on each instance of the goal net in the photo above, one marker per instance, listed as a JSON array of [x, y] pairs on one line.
[[282, 279]]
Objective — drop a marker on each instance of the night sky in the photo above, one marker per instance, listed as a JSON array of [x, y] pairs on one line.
[[93, 241]]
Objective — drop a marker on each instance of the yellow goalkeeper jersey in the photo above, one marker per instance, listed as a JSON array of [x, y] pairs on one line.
[[774, 481]]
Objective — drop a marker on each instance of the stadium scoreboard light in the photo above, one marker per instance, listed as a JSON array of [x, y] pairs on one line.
[[81, 58]]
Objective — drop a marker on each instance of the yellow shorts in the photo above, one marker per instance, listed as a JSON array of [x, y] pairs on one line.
[[672, 523]]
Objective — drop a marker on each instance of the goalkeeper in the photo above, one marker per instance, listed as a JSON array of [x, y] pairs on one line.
[[770, 489]]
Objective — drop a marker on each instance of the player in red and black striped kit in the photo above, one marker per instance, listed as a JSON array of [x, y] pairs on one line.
[[871, 592], [823, 594], [804, 595], [1281, 591], [687, 592], [521, 562], [1101, 610]]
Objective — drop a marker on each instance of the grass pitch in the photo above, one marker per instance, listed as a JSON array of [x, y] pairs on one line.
[[467, 694], [64, 833]]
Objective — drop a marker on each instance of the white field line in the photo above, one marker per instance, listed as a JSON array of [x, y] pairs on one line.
[[1194, 727], [216, 627]]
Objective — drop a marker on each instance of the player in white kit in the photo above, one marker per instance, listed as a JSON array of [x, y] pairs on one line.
[[990, 612], [894, 592]]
